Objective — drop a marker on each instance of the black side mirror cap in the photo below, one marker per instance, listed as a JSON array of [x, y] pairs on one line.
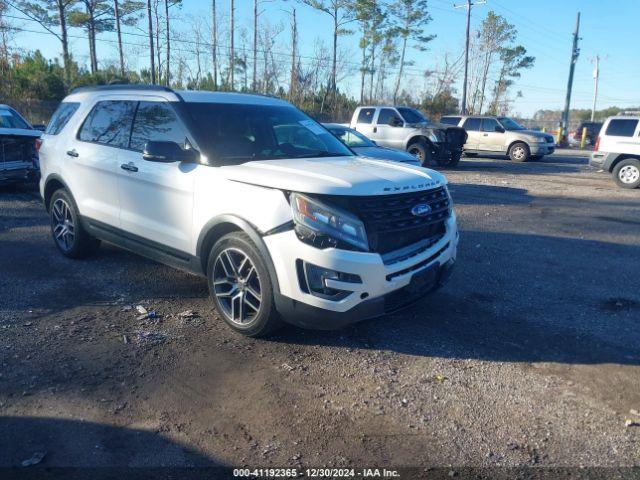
[[168, 152], [499, 129], [395, 122]]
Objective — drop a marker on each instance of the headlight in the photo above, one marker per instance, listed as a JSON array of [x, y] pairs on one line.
[[315, 221]]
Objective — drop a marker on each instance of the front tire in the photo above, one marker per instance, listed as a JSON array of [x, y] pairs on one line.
[[626, 173], [240, 286], [69, 235], [519, 152], [421, 151]]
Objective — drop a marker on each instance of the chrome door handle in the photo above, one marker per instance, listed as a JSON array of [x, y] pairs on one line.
[[73, 153], [375, 129], [130, 167], [485, 134]]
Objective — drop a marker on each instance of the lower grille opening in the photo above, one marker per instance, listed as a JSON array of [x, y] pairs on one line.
[[418, 265]]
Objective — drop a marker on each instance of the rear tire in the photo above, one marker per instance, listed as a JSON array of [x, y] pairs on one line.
[[67, 231], [626, 173], [240, 286], [519, 152]]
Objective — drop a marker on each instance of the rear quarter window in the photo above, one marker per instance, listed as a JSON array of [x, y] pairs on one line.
[[622, 127], [10, 119], [366, 115], [61, 117]]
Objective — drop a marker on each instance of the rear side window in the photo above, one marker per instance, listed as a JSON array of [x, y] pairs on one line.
[[472, 124], [366, 115], [60, 117], [109, 123], [450, 120], [156, 121], [622, 127], [489, 125], [385, 115]]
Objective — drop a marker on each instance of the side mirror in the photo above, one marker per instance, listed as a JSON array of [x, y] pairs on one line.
[[395, 122], [168, 152], [499, 129]]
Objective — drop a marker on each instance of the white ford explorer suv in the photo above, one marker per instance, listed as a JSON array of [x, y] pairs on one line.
[[283, 220]]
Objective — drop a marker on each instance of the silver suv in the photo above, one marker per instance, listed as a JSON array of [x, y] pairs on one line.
[[502, 135]]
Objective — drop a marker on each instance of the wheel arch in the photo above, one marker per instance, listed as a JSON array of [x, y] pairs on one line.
[[222, 225], [54, 182], [416, 138], [620, 158], [518, 141]]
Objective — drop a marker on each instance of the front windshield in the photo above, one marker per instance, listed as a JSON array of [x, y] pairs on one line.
[[351, 138], [236, 133], [509, 124], [8, 119], [411, 115]]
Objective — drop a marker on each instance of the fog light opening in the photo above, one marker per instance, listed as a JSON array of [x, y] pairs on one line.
[[315, 281]]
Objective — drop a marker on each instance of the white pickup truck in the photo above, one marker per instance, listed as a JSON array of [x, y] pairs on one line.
[[407, 129]]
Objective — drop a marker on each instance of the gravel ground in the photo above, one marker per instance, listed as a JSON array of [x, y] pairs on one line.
[[530, 356]]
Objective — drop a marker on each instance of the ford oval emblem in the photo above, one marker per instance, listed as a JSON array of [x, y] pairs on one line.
[[421, 210]]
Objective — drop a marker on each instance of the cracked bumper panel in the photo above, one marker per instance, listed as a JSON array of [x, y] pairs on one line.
[[378, 279]]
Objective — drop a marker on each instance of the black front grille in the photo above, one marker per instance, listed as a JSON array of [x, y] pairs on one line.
[[390, 223], [456, 137]]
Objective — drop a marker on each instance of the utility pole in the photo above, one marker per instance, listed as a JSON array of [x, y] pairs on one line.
[[468, 5], [151, 54], [596, 76], [575, 52]]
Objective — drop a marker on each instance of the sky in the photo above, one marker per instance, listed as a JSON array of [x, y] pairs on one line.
[[545, 29]]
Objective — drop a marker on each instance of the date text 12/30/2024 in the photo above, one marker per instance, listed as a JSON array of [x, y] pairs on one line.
[[316, 472]]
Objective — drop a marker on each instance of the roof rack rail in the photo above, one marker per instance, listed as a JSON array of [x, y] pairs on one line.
[[122, 86]]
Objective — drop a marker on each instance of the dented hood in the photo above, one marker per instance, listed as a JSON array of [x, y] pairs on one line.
[[335, 176]]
